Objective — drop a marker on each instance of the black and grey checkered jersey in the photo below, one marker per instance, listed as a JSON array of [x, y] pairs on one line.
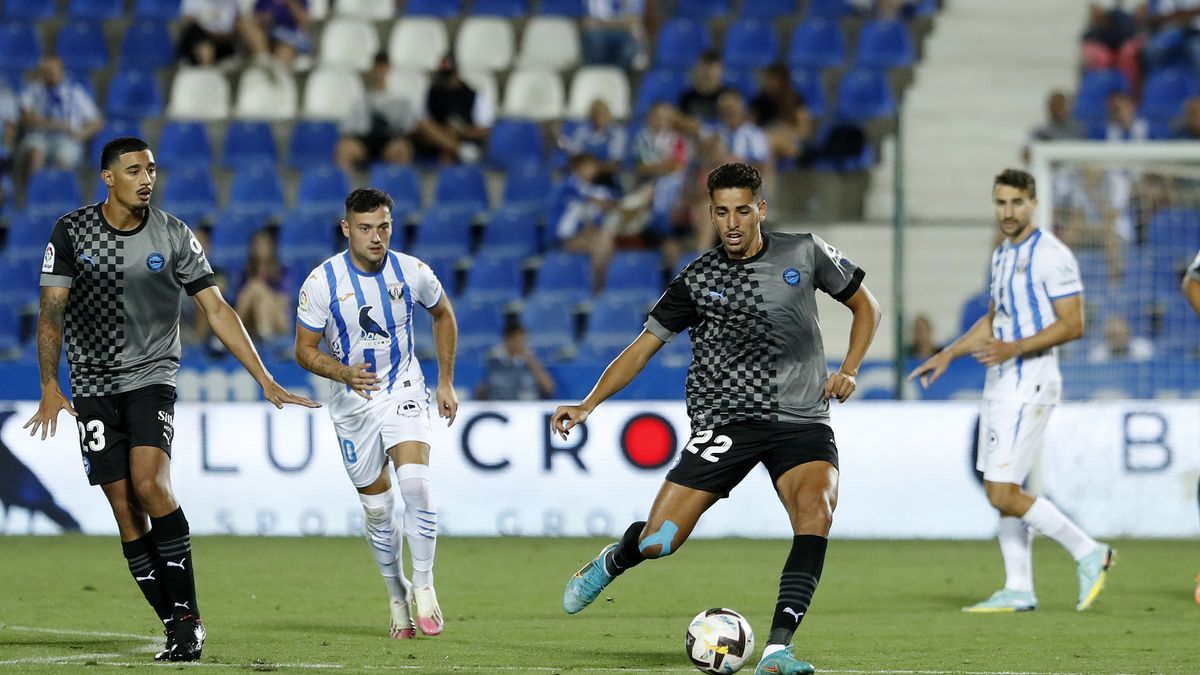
[[757, 352], [122, 323]]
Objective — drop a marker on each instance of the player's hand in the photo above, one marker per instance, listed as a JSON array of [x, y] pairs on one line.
[[932, 369], [840, 385], [994, 352], [447, 402], [361, 379], [567, 417], [279, 396], [46, 417]]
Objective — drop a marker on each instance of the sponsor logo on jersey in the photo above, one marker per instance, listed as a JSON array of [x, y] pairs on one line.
[[371, 330], [48, 259], [155, 261], [792, 276], [396, 292]]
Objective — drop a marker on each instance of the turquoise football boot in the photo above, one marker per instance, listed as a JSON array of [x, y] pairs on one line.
[[587, 583], [782, 662]]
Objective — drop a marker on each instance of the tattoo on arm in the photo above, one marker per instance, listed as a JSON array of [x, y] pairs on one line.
[[50, 328], [317, 361]]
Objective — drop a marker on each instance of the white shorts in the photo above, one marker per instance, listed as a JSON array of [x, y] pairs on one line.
[[365, 436], [1011, 434]]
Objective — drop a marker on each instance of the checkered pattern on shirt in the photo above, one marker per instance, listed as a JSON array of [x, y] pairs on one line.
[[95, 325], [732, 376]]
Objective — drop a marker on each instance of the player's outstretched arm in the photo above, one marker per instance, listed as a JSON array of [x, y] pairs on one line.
[[445, 341], [228, 328], [616, 376], [975, 337], [865, 308], [1068, 326], [49, 341], [360, 377]]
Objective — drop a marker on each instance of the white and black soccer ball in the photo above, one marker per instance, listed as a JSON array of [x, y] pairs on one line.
[[719, 641]]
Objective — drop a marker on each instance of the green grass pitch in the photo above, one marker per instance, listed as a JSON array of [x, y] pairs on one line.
[[67, 604]]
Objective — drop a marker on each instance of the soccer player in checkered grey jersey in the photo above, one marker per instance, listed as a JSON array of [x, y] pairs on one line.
[[757, 391], [1191, 291], [114, 274], [1036, 305]]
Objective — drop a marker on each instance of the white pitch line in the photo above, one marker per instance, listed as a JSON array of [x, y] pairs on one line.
[[55, 660], [84, 633], [209, 664]]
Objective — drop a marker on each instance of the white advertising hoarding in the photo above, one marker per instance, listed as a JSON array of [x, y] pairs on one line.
[[1121, 468]]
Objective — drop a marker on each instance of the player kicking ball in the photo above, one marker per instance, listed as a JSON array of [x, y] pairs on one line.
[[361, 302]]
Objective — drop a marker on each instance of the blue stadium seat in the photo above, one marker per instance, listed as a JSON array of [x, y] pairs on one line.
[[256, 190], [113, 128], [635, 273], [599, 350], [27, 236], [19, 280], [564, 274], [231, 239], [702, 10], [528, 187], [81, 46], [461, 187], [495, 277], [10, 328], [834, 10], [312, 144], [323, 189], [513, 142], [569, 8], [189, 189], [307, 237], [768, 10], [808, 84], [680, 43], [249, 142], [509, 9], [479, 319], [885, 44], [750, 43], [1165, 92], [19, 46], [742, 81], [444, 232], [511, 232], [863, 95], [658, 85], [1175, 229], [162, 10], [52, 192], [184, 143], [133, 94], [817, 43], [402, 183], [617, 317], [147, 46], [548, 321], [94, 10], [442, 9], [1091, 102], [29, 10]]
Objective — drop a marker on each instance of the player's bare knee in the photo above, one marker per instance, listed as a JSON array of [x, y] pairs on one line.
[[815, 518], [153, 493]]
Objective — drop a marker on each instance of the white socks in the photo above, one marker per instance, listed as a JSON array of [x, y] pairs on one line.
[[1045, 517], [1016, 545], [384, 538], [420, 520]]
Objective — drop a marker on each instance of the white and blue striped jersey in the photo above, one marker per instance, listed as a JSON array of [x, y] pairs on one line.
[[1026, 279], [368, 318]]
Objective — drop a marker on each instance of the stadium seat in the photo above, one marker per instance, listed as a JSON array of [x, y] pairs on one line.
[[134, 94], [322, 189], [817, 43], [159, 10], [511, 232], [479, 321], [115, 128], [81, 46], [635, 274], [402, 183], [599, 82], [410, 84], [834, 10], [461, 188], [52, 192], [256, 190], [742, 81], [549, 324], [1173, 230], [702, 10], [1091, 102], [514, 142], [1165, 92], [249, 142], [680, 43], [768, 10], [94, 10], [550, 43], [418, 43], [664, 85], [495, 277], [307, 237], [444, 232], [484, 42], [27, 236], [348, 43], [509, 9], [147, 45], [484, 84], [189, 189], [19, 46], [534, 94], [528, 187], [885, 44], [19, 280], [29, 10], [808, 84], [184, 144], [864, 95], [750, 43], [442, 9], [199, 93], [311, 144], [564, 274], [366, 10], [265, 96], [617, 317], [329, 93], [573, 9], [231, 236]]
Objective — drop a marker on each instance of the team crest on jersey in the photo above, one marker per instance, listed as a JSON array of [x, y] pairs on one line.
[[396, 291], [792, 276], [48, 259], [87, 466], [1022, 265], [155, 261]]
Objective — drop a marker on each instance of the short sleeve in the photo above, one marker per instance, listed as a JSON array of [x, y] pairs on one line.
[[833, 272], [1058, 272], [191, 265], [426, 288], [312, 307], [674, 312], [58, 262], [1193, 270]]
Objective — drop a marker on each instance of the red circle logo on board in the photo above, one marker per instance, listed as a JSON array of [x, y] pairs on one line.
[[648, 441]]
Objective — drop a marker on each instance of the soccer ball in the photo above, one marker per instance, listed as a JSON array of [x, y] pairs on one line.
[[719, 641]]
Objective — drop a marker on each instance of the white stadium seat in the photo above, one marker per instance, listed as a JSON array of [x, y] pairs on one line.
[[199, 94], [534, 94], [411, 84], [349, 43], [371, 10], [485, 43], [593, 82], [263, 95], [330, 92], [549, 42], [484, 84], [318, 9], [418, 43]]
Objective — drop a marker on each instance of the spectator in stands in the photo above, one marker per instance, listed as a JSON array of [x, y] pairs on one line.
[[661, 155], [1123, 121], [376, 128], [512, 372], [457, 119], [582, 216], [281, 27], [208, 30], [601, 137], [1120, 345], [193, 326], [58, 116], [698, 103], [780, 110], [1059, 126], [745, 140], [1187, 127], [262, 302], [612, 33], [10, 118], [1095, 213], [921, 344], [711, 153], [1176, 24], [1112, 40]]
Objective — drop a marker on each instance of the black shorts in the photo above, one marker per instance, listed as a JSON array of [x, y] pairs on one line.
[[109, 426], [716, 460]]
